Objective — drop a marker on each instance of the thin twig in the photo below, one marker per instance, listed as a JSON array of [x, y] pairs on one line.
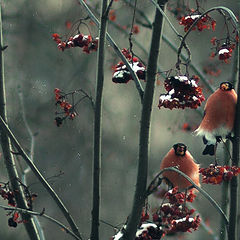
[[108, 9], [36, 172], [117, 50], [141, 13], [89, 97], [28, 169], [166, 17], [131, 31], [42, 214]]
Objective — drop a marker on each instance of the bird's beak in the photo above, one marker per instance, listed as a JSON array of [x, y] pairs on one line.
[[224, 87], [181, 152]]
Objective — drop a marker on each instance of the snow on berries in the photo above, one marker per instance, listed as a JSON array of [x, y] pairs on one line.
[[146, 231], [224, 47], [174, 215], [182, 92], [217, 174], [122, 74], [86, 42], [7, 194], [205, 22]]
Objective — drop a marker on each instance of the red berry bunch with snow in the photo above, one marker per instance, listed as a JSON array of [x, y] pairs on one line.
[[174, 216], [217, 174], [182, 92], [205, 22], [146, 231], [223, 48], [86, 42], [122, 74], [67, 109], [7, 194]]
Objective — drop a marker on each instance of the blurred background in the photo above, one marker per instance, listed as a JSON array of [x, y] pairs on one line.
[[34, 67]]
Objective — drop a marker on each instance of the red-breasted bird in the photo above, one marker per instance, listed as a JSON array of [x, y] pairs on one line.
[[180, 157], [218, 120]]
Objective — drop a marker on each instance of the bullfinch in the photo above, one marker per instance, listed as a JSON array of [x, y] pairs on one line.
[[218, 120], [180, 157]]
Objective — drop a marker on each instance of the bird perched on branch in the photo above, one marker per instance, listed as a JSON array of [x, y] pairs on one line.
[[180, 157], [218, 120]]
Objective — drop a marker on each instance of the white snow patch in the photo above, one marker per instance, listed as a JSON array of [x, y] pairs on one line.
[[183, 220], [136, 68], [222, 51], [165, 97], [171, 92], [193, 17], [144, 227]]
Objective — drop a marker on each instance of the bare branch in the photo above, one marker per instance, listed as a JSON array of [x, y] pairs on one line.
[[42, 214], [34, 169]]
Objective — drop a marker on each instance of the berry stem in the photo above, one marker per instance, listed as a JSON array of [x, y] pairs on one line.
[[166, 17], [28, 169]]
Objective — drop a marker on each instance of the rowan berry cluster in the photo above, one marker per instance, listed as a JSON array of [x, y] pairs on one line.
[[171, 217], [217, 174], [7, 194], [67, 108], [223, 48], [122, 74], [13, 221], [174, 216], [206, 22], [182, 92], [176, 197], [86, 42]]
